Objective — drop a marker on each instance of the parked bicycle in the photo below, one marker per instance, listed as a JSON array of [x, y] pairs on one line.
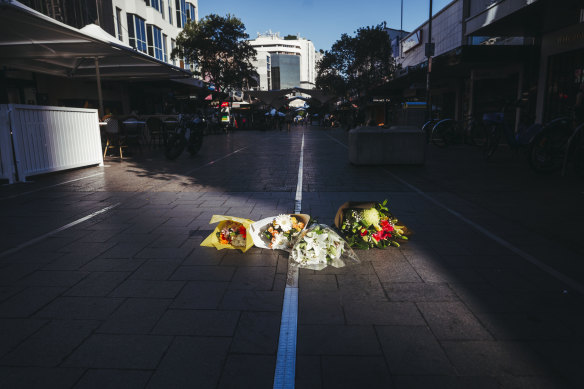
[[427, 128], [496, 127], [449, 132], [559, 143], [187, 134]]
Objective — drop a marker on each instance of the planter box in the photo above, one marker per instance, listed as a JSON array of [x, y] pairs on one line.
[[398, 145]]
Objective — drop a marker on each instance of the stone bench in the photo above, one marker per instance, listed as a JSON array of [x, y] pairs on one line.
[[397, 145]]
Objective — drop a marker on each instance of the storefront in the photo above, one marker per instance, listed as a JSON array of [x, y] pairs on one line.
[[562, 71]]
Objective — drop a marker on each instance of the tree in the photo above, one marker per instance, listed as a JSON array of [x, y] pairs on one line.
[[218, 48], [356, 63]]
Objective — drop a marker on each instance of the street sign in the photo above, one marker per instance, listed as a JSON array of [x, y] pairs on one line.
[[429, 49]]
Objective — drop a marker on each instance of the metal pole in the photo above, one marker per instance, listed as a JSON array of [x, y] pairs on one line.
[[97, 13], [99, 95], [401, 21], [429, 54]]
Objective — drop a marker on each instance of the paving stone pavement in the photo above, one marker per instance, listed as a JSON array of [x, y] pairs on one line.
[[129, 298]]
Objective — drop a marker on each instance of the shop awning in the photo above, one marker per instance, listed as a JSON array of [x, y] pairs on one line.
[[523, 18], [35, 42]]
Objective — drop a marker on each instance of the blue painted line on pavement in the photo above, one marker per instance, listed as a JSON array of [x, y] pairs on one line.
[[286, 358]]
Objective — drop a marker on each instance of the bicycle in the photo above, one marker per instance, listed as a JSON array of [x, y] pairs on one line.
[[557, 143], [575, 151], [448, 132], [496, 126], [427, 128], [187, 134]]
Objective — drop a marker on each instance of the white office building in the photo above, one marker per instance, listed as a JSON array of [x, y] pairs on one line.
[[151, 26], [284, 63]]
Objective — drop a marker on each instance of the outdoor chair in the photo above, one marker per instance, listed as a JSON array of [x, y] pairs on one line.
[[113, 139], [155, 131], [132, 133]]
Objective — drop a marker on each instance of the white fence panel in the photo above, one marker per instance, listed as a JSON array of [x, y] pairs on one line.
[[6, 157], [48, 139]]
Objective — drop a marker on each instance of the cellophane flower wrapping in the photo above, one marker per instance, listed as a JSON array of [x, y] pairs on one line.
[[320, 246], [368, 224], [278, 232], [231, 233]]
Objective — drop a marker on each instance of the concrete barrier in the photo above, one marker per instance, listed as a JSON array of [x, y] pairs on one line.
[[398, 145]]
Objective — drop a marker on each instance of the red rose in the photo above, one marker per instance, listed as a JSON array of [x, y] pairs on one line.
[[364, 232]]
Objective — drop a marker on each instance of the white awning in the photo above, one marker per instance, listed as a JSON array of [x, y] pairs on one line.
[[35, 42]]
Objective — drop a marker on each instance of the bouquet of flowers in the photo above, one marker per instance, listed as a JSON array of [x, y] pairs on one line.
[[319, 246], [278, 232], [282, 230], [231, 233], [367, 225]]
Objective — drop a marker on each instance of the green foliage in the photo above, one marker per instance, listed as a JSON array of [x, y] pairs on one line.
[[356, 63], [371, 228], [290, 37], [218, 47]]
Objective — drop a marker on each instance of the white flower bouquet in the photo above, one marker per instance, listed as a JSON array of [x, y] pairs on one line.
[[319, 246], [279, 232]]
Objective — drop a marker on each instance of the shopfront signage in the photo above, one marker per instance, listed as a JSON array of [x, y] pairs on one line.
[[567, 39]]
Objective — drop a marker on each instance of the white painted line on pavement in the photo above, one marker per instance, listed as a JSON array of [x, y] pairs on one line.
[[66, 226], [528, 257], [298, 198], [286, 358], [215, 161], [50, 186]]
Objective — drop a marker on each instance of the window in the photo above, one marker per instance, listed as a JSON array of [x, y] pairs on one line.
[[164, 48], [170, 11], [137, 32], [119, 23], [172, 46], [154, 4], [181, 16], [191, 14], [154, 35], [157, 5]]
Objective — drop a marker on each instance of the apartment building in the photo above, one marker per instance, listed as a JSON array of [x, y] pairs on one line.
[[149, 26], [284, 63]]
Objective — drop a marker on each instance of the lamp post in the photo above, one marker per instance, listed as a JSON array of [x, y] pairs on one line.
[[429, 54]]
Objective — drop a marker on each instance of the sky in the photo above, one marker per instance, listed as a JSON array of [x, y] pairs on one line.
[[321, 21]]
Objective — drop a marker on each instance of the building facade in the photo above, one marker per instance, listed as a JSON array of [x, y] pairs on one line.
[[469, 74], [149, 26], [557, 28], [489, 54], [284, 63]]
